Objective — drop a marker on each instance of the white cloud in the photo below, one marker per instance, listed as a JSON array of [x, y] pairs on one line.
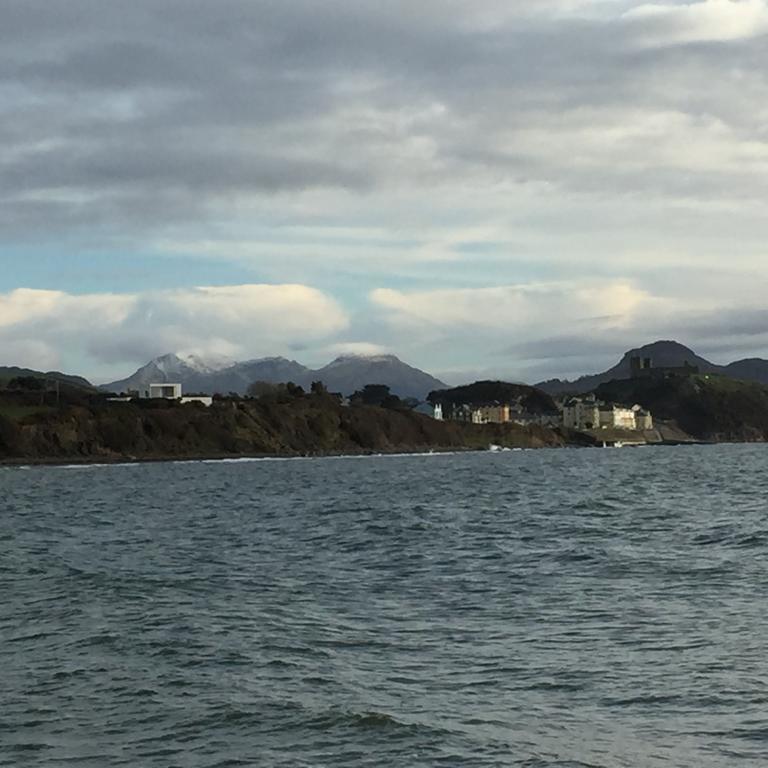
[[25, 306], [234, 321], [708, 20], [573, 152], [515, 308], [354, 348], [29, 353]]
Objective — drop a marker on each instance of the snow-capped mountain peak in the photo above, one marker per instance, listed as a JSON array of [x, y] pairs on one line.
[[345, 374], [377, 357], [207, 364]]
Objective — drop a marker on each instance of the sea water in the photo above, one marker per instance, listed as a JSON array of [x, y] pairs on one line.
[[540, 608]]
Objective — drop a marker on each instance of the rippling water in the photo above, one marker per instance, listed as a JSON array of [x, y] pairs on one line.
[[553, 608]]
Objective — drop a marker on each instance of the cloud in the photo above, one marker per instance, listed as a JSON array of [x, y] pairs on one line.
[[155, 116], [103, 329], [510, 328], [355, 348], [498, 168], [531, 332], [513, 308], [703, 21]]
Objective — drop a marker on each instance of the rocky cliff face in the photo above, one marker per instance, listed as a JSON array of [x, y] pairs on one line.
[[307, 424]]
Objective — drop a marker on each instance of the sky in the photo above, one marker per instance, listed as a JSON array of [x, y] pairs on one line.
[[498, 188]]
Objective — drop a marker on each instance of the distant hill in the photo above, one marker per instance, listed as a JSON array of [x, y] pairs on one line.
[[752, 369], [12, 372], [486, 392], [345, 374], [663, 354], [350, 373], [708, 406], [195, 375]]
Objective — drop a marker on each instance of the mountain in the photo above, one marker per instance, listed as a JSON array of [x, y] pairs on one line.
[[12, 372], [664, 354], [238, 377], [197, 375], [345, 374], [752, 369], [191, 370], [350, 373]]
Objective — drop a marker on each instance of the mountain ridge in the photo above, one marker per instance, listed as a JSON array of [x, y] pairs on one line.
[[345, 373], [663, 353], [8, 372]]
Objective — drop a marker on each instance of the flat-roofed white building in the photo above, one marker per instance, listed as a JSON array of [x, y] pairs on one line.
[[167, 391]]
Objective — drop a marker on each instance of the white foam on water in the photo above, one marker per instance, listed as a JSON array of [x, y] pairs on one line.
[[240, 460]]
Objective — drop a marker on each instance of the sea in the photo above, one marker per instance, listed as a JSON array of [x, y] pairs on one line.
[[575, 608]]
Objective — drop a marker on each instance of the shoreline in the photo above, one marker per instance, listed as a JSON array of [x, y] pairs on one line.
[[62, 461], [59, 461]]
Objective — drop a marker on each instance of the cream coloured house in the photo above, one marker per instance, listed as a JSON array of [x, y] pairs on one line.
[[581, 413], [589, 413]]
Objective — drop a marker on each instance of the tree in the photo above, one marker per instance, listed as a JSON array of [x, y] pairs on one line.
[[294, 390], [262, 389], [28, 383], [370, 394]]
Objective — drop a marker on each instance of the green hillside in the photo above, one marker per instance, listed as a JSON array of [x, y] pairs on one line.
[[707, 406], [483, 392], [89, 427], [9, 373]]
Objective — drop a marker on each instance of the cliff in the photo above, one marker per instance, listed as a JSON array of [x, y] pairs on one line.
[[90, 428]]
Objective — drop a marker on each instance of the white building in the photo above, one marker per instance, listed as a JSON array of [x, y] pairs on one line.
[[165, 391], [438, 412], [172, 391]]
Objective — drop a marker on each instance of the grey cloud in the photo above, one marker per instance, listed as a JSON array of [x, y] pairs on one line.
[[733, 322], [236, 98]]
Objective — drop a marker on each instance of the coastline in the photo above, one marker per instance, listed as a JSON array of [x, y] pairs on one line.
[[59, 461], [212, 457]]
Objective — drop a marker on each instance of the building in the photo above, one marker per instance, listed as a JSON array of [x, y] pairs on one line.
[[172, 391], [165, 391], [584, 413], [581, 413], [643, 368], [643, 418], [617, 417], [473, 413], [548, 419], [491, 414]]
